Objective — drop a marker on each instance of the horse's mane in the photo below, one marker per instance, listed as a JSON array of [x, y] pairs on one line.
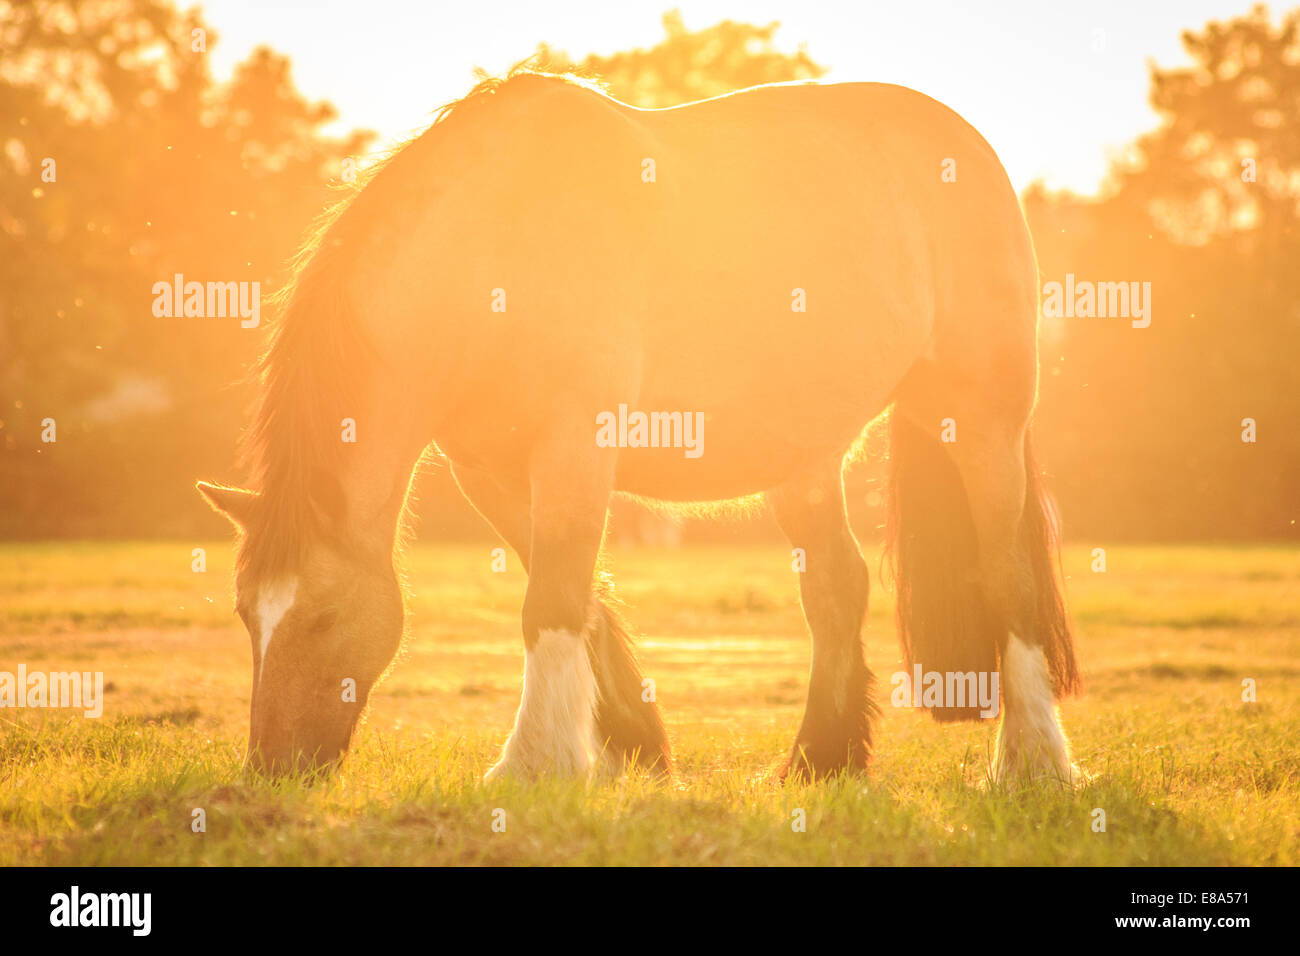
[[314, 368]]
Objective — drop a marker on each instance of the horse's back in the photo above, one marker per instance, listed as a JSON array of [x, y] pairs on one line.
[[871, 188], [776, 259], [811, 246]]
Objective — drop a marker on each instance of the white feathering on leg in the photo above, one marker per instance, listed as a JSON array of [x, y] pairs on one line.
[[555, 728], [1030, 739]]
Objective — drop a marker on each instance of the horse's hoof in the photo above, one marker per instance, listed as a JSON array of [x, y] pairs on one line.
[[507, 769], [1010, 775]]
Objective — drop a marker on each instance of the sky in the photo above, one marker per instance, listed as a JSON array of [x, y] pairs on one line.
[[1055, 87]]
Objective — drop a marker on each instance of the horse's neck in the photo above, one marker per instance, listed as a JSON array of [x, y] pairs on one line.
[[376, 470]]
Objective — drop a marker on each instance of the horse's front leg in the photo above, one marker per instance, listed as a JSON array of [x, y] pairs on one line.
[[555, 730]]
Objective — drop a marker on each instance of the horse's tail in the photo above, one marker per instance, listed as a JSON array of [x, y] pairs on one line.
[[946, 622], [1041, 535]]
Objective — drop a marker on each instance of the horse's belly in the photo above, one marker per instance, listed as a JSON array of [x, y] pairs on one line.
[[708, 445], [757, 392], [735, 474]]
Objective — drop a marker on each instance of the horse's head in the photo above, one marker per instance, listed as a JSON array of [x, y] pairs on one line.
[[324, 626]]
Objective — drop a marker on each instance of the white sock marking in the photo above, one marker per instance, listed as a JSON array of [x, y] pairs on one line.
[[1030, 736], [555, 729]]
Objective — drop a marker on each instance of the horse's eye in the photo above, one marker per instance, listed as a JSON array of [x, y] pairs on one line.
[[325, 620]]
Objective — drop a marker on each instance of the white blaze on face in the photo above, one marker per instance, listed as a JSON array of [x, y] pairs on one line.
[[273, 603]]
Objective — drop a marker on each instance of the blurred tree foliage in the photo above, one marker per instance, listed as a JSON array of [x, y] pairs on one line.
[[1143, 427], [158, 169], [690, 65]]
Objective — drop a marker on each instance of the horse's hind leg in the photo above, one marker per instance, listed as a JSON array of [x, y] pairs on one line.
[[975, 549], [1001, 487], [836, 731], [628, 727]]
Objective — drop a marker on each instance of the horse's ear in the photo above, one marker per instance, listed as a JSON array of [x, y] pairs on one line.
[[235, 503]]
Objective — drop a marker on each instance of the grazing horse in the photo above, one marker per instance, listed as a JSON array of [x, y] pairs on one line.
[[569, 297]]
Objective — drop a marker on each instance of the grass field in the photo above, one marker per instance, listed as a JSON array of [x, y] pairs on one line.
[[1185, 771]]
